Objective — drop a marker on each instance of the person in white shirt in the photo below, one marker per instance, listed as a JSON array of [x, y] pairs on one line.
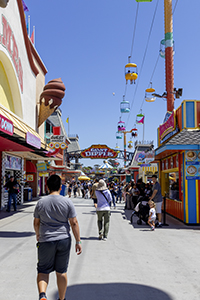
[[152, 215], [104, 199]]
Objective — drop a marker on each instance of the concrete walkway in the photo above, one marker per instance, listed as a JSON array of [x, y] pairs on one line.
[[134, 263]]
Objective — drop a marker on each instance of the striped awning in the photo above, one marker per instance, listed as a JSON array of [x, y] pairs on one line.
[[20, 127]]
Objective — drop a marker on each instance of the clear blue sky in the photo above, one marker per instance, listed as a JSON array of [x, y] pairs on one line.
[[87, 44]]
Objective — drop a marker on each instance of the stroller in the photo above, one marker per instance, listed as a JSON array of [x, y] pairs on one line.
[[141, 210]]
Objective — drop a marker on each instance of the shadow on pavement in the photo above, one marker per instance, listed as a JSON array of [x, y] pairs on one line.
[[91, 238], [15, 234], [115, 291]]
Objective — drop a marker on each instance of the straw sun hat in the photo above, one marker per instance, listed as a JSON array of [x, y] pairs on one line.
[[101, 185]]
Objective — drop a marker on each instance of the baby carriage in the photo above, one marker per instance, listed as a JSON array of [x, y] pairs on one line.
[[142, 211]]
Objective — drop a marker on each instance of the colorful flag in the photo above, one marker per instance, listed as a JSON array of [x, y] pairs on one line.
[[24, 6], [32, 38], [67, 120]]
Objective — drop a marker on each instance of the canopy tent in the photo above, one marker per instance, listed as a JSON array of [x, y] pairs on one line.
[[83, 176], [106, 166]]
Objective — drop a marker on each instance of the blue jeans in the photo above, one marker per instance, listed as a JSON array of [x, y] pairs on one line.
[[119, 196], [10, 197]]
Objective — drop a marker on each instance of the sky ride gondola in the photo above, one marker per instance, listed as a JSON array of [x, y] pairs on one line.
[[131, 72], [121, 126], [118, 135], [150, 94], [130, 144], [134, 132], [124, 106]]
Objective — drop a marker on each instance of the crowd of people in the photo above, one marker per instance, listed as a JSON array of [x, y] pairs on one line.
[[121, 192]]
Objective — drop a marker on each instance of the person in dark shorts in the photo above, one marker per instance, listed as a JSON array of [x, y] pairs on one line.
[[53, 216]]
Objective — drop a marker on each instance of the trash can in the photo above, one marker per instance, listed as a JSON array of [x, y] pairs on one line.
[[28, 194]]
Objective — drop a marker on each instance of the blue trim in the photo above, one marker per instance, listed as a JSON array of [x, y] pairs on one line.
[[184, 214], [183, 125], [192, 201], [190, 118], [176, 147]]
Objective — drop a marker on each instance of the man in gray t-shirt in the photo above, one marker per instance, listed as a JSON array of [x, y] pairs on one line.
[[53, 216], [157, 198]]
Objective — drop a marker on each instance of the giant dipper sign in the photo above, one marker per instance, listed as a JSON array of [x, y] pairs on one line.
[[99, 151]]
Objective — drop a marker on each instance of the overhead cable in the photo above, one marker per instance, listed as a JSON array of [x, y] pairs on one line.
[[144, 56]]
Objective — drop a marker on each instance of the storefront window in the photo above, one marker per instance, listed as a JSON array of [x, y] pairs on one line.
[[171, 186]]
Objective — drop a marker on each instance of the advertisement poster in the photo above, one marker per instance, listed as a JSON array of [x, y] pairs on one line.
[[192, 164], [12, 162]]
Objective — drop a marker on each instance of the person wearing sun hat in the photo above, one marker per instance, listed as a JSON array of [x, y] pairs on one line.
[[104, 199]]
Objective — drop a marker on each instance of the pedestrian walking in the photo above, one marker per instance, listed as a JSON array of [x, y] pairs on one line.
[[104, 199], [152, 215], [78, 188], [119, 193], [70, 190], [53, 216], [12, 187], [157, 198], [92, 193], [113, 193]]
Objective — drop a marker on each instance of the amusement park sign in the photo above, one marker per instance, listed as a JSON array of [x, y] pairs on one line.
[[99, 151]]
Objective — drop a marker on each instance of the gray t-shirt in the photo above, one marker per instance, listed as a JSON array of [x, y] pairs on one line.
[[158, 196], [54, 212]]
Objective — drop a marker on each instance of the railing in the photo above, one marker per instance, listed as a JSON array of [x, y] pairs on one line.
[[73, 135], [143, 143]]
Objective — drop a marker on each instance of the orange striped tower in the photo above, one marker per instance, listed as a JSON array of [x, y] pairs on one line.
[[169, 62]]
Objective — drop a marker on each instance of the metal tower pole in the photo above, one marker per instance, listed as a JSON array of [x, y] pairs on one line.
[[169, 62]]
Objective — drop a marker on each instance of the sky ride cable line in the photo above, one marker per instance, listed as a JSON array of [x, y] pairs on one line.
[[132, 44], [151, 78], [157, 60], [154, 67], [134, 30], [175, 7], [145, 52]]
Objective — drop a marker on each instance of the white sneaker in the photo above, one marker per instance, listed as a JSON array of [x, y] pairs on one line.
[[105, 239]]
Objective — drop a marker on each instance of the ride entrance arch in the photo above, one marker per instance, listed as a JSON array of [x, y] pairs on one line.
[[99, 152]]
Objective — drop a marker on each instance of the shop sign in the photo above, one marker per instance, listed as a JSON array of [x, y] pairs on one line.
[[57, 141], [41, 166], [7, 39], [44, 174], [33, 140], [144, 159], [168, 129], [149, 173], [98, 152], [13, 162], [30, 177], [192, 161], [6, 125]]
